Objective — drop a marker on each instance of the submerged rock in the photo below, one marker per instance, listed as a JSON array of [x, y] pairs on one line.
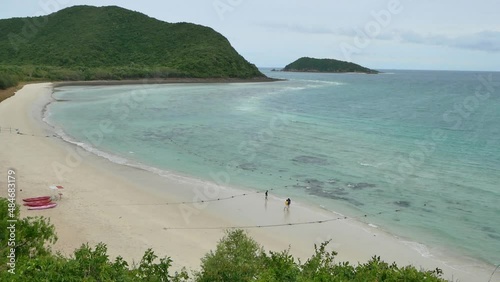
[[403, 204], [310, 160], [248, 166], [359, 186], [332, 180], [314, 183]]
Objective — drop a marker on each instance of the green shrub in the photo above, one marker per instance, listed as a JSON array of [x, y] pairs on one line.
[[236, 258], [7, 81]]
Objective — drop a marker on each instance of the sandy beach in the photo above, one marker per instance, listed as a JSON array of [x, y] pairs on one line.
[[127, 208]]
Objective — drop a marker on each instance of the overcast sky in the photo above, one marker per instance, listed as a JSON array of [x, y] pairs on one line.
[[386, 34]]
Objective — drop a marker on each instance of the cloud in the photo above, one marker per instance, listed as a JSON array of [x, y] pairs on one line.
[[485, 40], [298, 28], [488, 41]]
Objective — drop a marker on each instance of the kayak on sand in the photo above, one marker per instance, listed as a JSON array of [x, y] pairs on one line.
[[47, 206], [42, 198], [37, 203]]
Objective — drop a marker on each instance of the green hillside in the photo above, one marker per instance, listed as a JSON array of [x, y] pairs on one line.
[[86, 43], [306, 64]]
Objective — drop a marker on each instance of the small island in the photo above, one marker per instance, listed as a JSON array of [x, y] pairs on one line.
[[306, 64]]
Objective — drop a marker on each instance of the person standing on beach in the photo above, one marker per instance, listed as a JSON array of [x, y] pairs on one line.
[[266, 194], [287, 203]]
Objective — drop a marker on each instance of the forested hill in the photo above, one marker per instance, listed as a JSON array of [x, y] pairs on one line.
[[86, 42], [306, 64]]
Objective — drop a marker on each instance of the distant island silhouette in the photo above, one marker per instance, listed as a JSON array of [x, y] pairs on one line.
[[306, 64]]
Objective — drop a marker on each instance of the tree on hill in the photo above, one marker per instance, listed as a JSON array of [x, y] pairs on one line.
[[88, 43]]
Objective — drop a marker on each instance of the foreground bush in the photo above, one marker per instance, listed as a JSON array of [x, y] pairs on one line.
[[237, 257]]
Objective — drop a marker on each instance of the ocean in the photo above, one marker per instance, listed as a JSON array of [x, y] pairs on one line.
[[415, 151]]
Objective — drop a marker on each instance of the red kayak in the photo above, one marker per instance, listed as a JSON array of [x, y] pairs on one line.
[[44, 207], [37, 203], [43, 198]]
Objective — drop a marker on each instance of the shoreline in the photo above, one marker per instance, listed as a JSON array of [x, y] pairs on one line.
[[124, 192], [334, 72], [9, 92], [163, 81]]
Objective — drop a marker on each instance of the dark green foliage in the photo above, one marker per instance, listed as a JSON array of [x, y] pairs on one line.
[[279, 266], [31, 234], [7, 80], [237, 257], [306, 64], [85, 42], [89, 264], [54, 73], [321, 266]]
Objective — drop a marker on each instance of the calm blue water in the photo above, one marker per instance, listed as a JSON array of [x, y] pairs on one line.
[[425, 142]]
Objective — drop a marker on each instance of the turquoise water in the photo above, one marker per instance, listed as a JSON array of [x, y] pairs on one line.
[[423, 142]]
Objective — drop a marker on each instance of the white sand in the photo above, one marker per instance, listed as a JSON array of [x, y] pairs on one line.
[[122, 206]]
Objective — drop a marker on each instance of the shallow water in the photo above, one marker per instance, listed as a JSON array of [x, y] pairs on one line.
[[423, 142]]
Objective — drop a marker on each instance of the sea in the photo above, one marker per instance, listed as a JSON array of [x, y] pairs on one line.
[[415, 153]]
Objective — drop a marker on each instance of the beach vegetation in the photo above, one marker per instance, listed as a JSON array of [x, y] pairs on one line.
[[234, 249], [33, 259], [113, 43], [237, 257], [8, 80]]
